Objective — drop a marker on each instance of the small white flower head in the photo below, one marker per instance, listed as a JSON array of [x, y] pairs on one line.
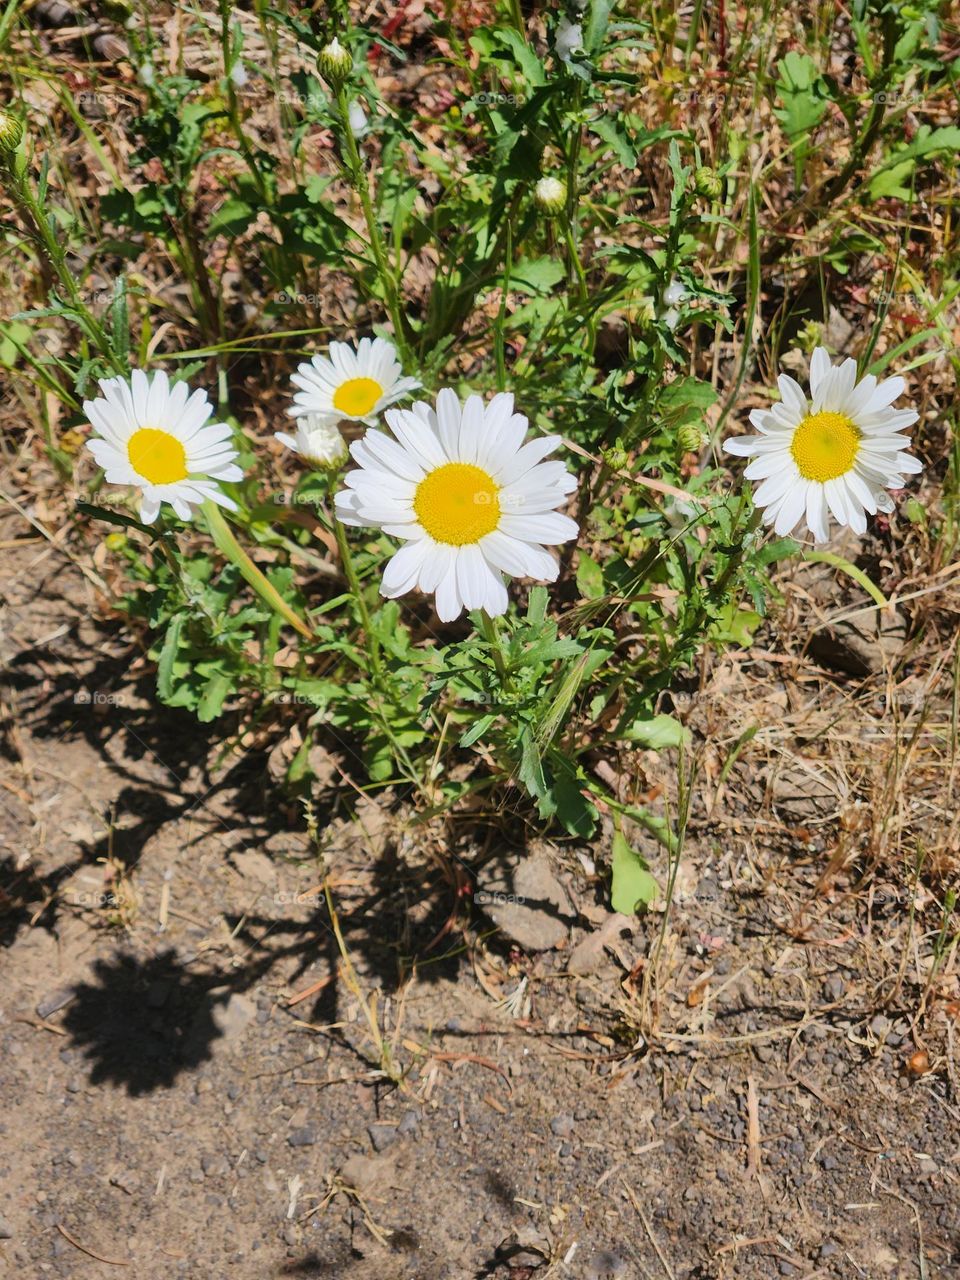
[[146, 75], [355, 384], [156, 436], [468, 498], [359, 123], [569, 39], [318, 440], [335, 63], [550, 195], [238, 75], [836, 453]]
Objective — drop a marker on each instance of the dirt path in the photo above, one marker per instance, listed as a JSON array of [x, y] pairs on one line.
[[171, 1108]]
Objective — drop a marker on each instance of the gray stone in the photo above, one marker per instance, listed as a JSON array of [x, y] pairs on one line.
[[588, 954], [606, 1265], [381, 1135], [524, 899], [305, 1136], [409, 1124], [562, 1126], [55, 1001], [231, 1019]]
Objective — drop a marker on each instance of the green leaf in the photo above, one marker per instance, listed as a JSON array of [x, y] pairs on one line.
[[574, 808], [537, 605], [213, 697], [114, 517], [476, 730], [632, 886], [538, 275], [168, 656], [656, 734], [597, 24], [232, 217], [800, 89], [589, 577], [610, 131], [531, 766]]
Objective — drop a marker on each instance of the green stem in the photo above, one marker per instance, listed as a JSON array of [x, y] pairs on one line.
[[358, 180], [491, 633], [353, 982], [499, 339], [851, 570], [38, 224], [233, 108], [356, 591], [229, 547]]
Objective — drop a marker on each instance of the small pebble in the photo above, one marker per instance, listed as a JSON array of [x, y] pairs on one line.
[[381, 1135]]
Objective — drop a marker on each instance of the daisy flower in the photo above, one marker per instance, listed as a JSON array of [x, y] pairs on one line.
[[317, 440], [836, 452], [157, 437], [352, 384], [470, 500]]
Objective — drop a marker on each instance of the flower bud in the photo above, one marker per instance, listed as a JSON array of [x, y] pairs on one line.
[[335, 63], [708, 183], [317, 440], [615, 457], [690, 438], [11, 133], [550, 195]]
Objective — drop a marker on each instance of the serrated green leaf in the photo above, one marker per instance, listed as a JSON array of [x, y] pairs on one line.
[[217, 689], [168, 655]]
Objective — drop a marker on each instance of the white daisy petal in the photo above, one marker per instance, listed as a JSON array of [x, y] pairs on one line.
[[447, 601], [471, 499], [403, 570], [791, 509], [834, 456], [817, 512], [153, 436], [355, 384], [792, 394], [819, 368]]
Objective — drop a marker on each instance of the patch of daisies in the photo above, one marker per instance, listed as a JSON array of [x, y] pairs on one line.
[[471, 496]]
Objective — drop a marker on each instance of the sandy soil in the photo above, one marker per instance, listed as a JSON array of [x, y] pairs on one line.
[[189, 1089]]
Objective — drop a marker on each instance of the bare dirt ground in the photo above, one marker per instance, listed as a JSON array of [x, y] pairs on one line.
[[189, 1087]]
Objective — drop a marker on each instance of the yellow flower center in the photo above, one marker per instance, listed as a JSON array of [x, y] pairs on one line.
[[825, 446], [457, 503], [157, 456], [357, 396]]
